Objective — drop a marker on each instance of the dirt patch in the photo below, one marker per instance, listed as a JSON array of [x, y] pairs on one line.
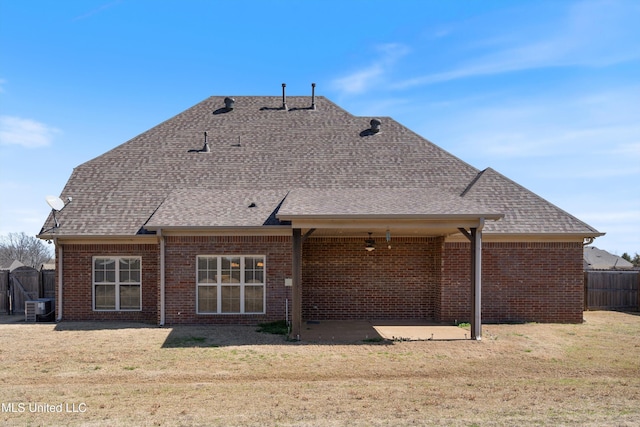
[[99, 374]]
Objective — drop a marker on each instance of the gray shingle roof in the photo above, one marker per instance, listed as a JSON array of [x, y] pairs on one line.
[[399, 202], [524, 212], [259, 151], [598, 259], [215, 208]]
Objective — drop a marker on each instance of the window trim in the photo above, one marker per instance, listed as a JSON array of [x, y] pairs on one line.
[[116, 284], [219, 284]]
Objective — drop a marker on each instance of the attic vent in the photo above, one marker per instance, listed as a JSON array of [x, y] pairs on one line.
[[375, 125], [253, 205], [229, 103]]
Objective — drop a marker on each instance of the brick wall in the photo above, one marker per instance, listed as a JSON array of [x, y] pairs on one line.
[[418, 278], [77, 282], [521, 282], [180, 276], [341, 280]]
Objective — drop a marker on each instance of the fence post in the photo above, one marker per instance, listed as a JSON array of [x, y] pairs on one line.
[[4, 291]]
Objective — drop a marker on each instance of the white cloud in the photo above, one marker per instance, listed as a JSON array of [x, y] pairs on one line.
[[25, 132], [593, 34], [358, 81], [630, 149], [361, 80], [97, 10], [602, 126]]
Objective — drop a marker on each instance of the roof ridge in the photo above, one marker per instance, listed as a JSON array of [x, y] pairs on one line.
[[549, 203], [473, 182]]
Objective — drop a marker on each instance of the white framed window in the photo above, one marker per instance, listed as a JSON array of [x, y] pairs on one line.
[[117, 283], [230, 284]]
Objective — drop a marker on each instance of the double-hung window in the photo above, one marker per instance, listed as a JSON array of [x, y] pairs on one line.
[[230, 284], [117, 283]]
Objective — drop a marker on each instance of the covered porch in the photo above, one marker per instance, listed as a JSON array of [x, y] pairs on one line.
[[370, 222]]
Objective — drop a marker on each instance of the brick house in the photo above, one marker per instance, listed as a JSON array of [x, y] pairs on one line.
[[258, 208]]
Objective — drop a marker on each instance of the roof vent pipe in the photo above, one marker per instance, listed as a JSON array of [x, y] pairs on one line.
[[206, 148], [284, 97], [229, 103], [375, 125], [313, 96]]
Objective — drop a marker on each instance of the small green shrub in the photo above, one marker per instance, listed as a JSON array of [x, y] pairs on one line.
[[279, 327]]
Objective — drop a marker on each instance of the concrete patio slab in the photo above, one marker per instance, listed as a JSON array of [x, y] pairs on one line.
[[352, 331]]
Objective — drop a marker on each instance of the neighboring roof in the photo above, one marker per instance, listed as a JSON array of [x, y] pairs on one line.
[[258, 151], [598, 259], [49, 265], [11, 265]]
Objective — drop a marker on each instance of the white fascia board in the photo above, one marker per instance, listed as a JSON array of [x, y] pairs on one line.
[[397, 223], [527, 237], [274, 230]]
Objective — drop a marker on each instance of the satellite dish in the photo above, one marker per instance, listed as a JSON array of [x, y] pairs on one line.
[[56, 203]]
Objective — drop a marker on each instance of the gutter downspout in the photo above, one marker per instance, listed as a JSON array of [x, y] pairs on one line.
[[162, 278], [60, 275]]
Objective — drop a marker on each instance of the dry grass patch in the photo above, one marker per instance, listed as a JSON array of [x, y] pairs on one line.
[[129, 374]]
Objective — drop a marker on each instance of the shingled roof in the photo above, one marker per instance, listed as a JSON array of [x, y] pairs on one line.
[[259, 153]]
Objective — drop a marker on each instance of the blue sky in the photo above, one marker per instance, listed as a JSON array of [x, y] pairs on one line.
[[545, 92]]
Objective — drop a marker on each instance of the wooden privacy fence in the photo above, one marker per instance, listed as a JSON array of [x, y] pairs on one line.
[[612, 290], [48, 283], [4, 291], [24, 284]]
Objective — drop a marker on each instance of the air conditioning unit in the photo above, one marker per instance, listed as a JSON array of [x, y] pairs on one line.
[[41, 310], [30, 311]]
